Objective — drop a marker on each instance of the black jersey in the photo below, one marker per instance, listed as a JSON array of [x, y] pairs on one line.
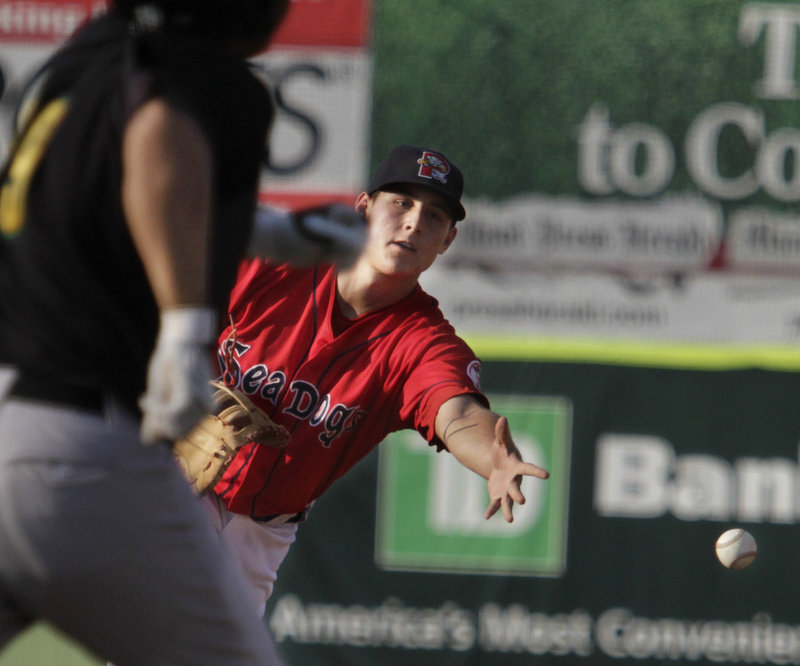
[[75, 304]]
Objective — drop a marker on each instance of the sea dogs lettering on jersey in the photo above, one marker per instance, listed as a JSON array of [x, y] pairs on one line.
[[308, 404], [227, 354], [305, 402]]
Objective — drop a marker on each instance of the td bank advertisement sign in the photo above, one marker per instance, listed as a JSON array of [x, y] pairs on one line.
[[611, 560], [431, 507], [629, 272]]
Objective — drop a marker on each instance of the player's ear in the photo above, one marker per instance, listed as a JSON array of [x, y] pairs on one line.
[[451, 236], [362, 203]]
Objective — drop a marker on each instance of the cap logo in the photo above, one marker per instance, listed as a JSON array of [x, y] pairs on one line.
[[433, 166]]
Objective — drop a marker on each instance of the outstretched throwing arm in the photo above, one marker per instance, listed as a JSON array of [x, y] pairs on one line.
[[481, 440]]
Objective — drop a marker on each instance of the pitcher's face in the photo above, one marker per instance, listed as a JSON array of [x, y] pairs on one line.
[[408, 229]]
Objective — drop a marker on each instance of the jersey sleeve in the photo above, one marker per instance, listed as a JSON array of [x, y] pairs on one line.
[[447, 368]]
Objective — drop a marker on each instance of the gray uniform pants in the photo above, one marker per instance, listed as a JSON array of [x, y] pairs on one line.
[[102, 537]]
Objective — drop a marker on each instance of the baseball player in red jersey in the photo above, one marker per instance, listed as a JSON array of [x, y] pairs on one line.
[[343, 358]]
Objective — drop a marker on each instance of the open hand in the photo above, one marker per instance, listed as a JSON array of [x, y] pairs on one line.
[[508, 468]]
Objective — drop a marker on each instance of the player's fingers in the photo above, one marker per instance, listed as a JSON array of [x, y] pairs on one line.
[[529, 469], [515, 493], [502, 431], [494, 505], [508, 509]]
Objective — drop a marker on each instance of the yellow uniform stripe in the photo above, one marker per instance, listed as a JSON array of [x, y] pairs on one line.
[[28, 154]]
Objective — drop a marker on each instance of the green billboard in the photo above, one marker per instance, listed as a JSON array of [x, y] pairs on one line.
[[430, 507]]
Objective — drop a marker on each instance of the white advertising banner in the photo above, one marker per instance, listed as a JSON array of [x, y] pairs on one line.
[[318, 66]]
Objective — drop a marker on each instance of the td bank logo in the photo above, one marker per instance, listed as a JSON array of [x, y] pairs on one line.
[[430, 508]]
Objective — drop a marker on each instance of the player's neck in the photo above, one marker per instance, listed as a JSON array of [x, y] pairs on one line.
[[358, 293]]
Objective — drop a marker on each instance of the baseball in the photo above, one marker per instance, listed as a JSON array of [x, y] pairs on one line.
[[736, 548]]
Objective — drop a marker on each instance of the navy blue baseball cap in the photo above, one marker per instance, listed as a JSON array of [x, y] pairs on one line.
[[421, 166]]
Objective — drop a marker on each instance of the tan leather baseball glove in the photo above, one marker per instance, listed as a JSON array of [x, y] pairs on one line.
[[205, 452]]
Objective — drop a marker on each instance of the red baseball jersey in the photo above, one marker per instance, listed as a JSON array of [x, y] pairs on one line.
[[339, 386]]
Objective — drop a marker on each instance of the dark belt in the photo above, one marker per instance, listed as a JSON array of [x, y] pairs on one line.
[[58, 393]]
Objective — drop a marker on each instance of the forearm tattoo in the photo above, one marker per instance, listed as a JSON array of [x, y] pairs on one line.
[[457, 425]]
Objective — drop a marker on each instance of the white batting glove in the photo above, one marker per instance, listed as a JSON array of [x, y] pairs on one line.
[[178, 394]]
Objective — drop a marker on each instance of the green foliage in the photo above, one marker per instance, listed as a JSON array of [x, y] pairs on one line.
[[502, 86]]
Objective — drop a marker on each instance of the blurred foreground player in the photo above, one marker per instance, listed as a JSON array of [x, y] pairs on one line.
[[126, 204], [343, 357]]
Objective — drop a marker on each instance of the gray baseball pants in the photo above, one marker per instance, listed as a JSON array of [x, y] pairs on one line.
[[102, 537]]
